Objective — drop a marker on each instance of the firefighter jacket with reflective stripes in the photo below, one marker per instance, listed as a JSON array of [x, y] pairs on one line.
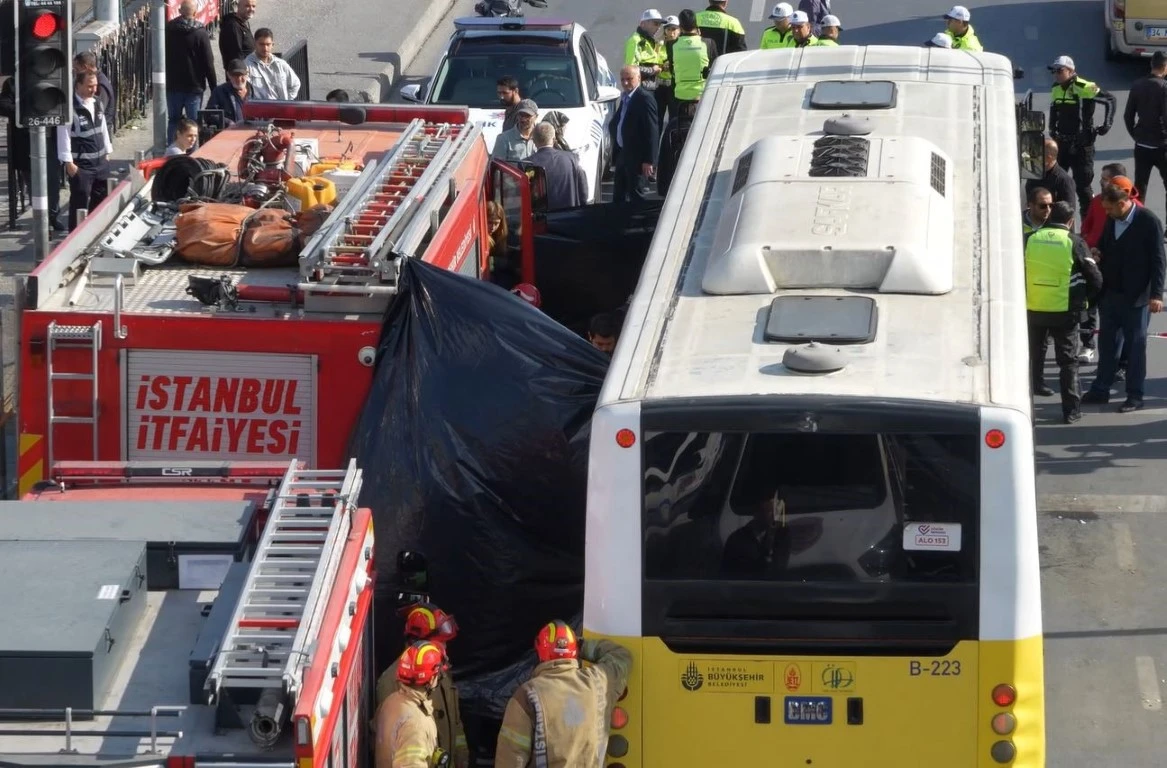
[[406, 734], [643, 51], [559, 718], [691, 64], [774, 38], [1060, 273], [724, 30], [447, 714], [1071, 112], [966, 42]]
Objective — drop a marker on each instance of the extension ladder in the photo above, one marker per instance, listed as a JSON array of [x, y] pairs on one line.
[[272, 632], [79, 337]]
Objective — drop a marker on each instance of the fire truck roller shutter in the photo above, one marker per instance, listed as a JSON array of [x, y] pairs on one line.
[[221, 405]]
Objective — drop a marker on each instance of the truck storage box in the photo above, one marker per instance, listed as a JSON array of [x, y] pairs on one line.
[[190, 543], [206, 648], [70, 608]]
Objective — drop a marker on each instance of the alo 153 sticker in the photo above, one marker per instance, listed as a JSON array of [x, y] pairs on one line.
[[932, 537]]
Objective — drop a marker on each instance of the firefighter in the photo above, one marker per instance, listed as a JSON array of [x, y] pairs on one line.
[[958, 27], [724, 30], [643, 51], [559, 718], [1071, 124], [779, 35], [407, 736], [425, 621]]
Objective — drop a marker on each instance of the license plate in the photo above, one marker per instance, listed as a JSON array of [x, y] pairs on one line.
[[808, 710], [1155, 33]]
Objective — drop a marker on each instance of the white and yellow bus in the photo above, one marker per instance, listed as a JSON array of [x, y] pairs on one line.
[[811, 505]]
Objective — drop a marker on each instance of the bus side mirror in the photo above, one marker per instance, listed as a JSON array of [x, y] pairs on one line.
[[1031, 153]]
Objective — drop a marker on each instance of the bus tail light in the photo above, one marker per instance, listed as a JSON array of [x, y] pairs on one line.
[[625, 438], [180, 761], [619, 718], [1004, 723], [994, 438], [1004, 695]]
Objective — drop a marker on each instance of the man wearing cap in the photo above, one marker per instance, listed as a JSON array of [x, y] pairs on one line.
[[800, 26], [1071, 124], [724, 30], [665, 80], [517, 143], [829, 31], [779, 35], [642, 50], [960, 30], [231, 95]]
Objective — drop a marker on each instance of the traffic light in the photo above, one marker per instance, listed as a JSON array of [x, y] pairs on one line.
[[44, 69]]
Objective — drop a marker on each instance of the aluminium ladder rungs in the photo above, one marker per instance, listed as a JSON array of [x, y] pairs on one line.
[[76, 338], [276, 621]]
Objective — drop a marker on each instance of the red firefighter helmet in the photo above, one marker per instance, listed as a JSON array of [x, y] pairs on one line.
[[556, 641], [426, 621], [529, 294], [420, 663]]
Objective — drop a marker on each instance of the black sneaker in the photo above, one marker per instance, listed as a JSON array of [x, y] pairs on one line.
[[1072, 416], [1042, 391], [1131, 404], [1094, 398]]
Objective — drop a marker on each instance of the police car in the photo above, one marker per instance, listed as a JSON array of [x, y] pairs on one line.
[[557, 65]]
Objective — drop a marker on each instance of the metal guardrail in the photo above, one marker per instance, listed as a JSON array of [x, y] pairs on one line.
[[297, 58], [125, 59]]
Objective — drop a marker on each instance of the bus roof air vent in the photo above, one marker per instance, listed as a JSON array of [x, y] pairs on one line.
[[847, 125], [829, 319], [813, 358], [841, 212]]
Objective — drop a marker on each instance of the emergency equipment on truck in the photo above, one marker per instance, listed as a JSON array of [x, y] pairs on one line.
[[228, 307], [259, 654]]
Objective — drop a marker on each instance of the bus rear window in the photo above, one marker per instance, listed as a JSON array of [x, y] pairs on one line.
[[811, 507]]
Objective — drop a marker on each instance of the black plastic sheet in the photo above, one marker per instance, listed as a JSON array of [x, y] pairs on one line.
[[473, 443]]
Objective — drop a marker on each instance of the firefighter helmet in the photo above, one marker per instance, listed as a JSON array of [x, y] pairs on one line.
[[556, 641], [420, 663], [426, 621]]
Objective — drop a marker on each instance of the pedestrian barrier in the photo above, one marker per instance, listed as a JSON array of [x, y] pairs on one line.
[[125, 59], [297, 58]]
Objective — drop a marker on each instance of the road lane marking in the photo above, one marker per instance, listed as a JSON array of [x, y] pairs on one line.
[[1074, 503], [1148, 683], [757, 9], [1124, 546]]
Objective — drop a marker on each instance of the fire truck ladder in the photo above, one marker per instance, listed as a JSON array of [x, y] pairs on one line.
[[355, 249], [80, 337], [272, 633]]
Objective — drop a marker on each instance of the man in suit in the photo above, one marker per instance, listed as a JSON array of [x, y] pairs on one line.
[[567, 184], [635, 135], [1133, 265]]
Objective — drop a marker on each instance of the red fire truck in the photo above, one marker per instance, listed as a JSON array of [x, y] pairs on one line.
[[120, 362], [266, 662]]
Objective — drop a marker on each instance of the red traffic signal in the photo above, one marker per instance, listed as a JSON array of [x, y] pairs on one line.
[[45, 25]]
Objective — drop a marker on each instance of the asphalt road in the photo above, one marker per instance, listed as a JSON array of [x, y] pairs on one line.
[[1100, 481]]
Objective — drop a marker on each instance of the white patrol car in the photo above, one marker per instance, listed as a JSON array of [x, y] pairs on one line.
[[557, 65]]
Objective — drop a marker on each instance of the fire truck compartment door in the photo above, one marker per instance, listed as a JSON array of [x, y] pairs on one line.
[[233, 406]]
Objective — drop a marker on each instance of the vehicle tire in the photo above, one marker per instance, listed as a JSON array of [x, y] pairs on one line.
[[1111, 52]]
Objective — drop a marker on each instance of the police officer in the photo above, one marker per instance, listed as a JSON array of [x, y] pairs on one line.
[[407, 736], [829, 31], [643, 51], [1061, 276], [426, 621], [724, 30], [800, 26], [1071, 124], [779, 35], [692, 55], [84, 147], [664, 81], [559, 718], [959, 28]]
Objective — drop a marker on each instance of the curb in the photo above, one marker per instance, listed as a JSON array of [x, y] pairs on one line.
[[431, 17]]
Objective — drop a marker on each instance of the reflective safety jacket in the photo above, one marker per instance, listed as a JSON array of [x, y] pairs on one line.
[[690, 67], [807, 43], [724, 30], [406, 734], [447, 715], [1060, 273], [825, 41], [1071, 111], [643, 51], [966, 42], [559, 718], [772, 38]]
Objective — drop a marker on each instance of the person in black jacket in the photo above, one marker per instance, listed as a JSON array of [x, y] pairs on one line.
[[1057, 295], [231, 95], [20, 155], [1133, 266], [1146, 121], [235, 38], [635, 133], [86, 61], [190, 67], [1056, 179]]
